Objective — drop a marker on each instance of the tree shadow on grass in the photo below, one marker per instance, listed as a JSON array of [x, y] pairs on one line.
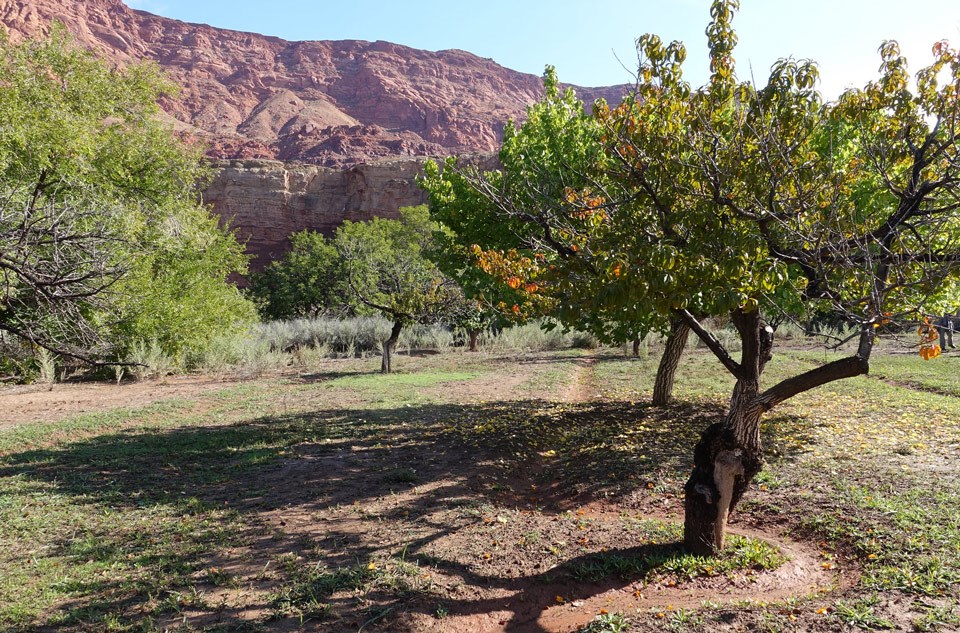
[[519, 601], [181, 501], [325, 376]]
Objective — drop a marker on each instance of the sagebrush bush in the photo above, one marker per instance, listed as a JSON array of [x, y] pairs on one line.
[[149, 360], [533, 337], [305, 342]]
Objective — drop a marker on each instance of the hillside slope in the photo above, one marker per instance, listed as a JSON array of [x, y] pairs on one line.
[[329, 103]]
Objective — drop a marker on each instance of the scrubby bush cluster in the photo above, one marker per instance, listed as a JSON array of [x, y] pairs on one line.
[[105, 251]]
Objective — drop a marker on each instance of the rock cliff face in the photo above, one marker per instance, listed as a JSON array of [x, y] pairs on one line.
[[267, 200], [324, 104], [329, 103]]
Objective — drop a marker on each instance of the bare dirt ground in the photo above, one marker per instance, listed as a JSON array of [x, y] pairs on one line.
[[30, 403], [458, 515]]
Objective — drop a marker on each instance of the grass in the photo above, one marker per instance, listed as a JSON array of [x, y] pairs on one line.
[[400, 381], [937, 617], [861, 614], [607, 623], [671, 562], [310, 587], [131, 519]]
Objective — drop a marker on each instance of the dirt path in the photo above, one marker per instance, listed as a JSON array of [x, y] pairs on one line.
[[581, 387]]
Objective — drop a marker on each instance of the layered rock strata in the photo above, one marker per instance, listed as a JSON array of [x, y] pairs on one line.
[[353, 119]]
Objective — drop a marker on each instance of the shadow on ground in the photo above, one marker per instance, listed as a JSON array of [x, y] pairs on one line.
[[234, 488]]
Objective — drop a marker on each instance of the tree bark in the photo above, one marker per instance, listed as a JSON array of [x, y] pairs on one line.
[[726, 459], [474, 335], [728, 455], [389, 345], [672, 351], [636, 347]]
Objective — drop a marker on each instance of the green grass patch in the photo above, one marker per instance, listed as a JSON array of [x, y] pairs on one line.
[[308, 587], [379, 382], [939, 374], [742, 554]]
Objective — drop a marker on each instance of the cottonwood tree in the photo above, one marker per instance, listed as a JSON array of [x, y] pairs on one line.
[[95, 193], [746, 200], [386, 271]]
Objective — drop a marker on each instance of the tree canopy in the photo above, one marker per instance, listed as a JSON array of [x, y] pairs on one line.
[[382, 266], [387, 271], [308, 281], [727, 199], [102, 239]]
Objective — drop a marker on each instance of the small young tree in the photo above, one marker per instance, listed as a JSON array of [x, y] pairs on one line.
[[386, 271]]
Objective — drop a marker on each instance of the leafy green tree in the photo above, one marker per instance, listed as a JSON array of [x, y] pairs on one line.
[[509, 229], [175, 292], [387, 272], [486, 301], [748, 201], [308, 281], [98, 206]]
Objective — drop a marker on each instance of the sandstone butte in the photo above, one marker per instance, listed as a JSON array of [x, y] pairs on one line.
[[304, 134]]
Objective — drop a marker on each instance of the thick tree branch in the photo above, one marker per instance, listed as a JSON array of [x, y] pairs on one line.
[[837, 370]]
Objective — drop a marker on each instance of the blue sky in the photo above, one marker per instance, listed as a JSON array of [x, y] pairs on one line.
[[590, 42]]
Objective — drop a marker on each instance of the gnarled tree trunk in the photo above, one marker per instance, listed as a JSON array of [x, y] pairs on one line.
[[729, 454], [672, 351], [389, 345], [725, 460]]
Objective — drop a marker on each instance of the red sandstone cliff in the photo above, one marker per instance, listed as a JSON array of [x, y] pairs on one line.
[[330, 103], [361, 114]]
